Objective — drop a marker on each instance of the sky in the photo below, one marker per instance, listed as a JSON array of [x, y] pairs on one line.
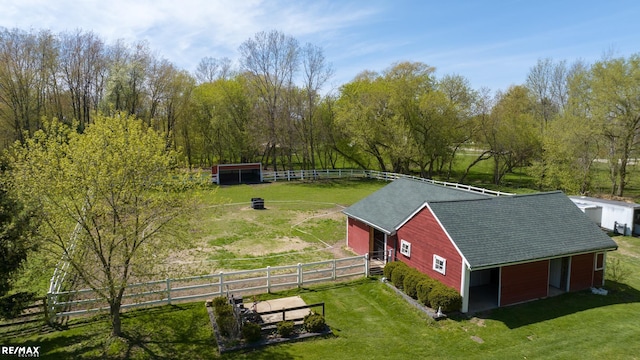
[[493, 44]]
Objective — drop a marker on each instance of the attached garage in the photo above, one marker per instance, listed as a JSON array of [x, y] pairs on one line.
[[233, 174]]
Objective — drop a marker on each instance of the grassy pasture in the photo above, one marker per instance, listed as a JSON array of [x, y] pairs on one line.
[[302, 222]]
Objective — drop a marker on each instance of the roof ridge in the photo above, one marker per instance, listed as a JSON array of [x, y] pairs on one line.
[[499, 197]]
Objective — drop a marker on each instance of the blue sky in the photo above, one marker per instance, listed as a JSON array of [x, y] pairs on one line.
[[491, 43]]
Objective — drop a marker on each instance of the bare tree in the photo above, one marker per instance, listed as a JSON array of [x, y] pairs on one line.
[[547, 81], [271, 59], [211, 69], [316, 73], [26, 68], [82, 68]]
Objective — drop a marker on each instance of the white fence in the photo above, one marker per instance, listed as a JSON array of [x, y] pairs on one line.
[[290, 175], [248, 282]]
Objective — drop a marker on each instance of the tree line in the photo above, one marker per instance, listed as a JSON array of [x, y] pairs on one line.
[[271, 106]]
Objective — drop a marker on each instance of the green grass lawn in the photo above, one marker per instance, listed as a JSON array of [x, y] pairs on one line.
[[370, 320]]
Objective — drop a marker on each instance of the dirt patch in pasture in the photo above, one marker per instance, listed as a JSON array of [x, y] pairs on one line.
[[334, 213], [245, 233], [279, 245]]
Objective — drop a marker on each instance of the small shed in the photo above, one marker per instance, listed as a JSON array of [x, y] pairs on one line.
[[232, 174], [617, 216]]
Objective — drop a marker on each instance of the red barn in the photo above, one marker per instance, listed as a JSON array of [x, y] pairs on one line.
[[231, 174], [495, 251]]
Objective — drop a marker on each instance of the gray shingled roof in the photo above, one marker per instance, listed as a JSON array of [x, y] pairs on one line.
[[489, 231], [511, 229], [388, 207]]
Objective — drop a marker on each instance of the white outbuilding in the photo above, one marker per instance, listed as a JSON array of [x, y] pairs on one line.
[[618, 216]]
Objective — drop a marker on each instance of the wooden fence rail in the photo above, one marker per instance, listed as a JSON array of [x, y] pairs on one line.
[[246, 282], [290, 175]]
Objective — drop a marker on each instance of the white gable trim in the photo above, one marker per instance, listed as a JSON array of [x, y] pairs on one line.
[[464, 259], [370, 224], [414, 213], [426, 205]]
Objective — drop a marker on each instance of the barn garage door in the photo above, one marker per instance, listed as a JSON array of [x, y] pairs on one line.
[[238, 174]]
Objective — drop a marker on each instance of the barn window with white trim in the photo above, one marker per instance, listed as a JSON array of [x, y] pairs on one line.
[[405, 248], [439, 264]]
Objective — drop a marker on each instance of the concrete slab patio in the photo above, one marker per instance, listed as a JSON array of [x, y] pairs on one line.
[[280, 304]]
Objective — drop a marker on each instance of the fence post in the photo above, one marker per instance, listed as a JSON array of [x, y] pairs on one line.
[[169, 291], [300, 280], [366, 265], [49, 309], [268, 279], [333, 273], [221, 282]]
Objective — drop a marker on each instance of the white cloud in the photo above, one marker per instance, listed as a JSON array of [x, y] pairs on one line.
[[183, 31]]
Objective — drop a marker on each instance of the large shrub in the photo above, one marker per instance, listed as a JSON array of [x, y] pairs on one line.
[[424, 288], [219, 301], [444, 297], [225, 318], [285, 328], [314, 322], [398, 274], [251, 332], [390, 266], [411, 280]]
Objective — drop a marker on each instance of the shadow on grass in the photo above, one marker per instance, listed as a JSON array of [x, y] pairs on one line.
[[566, 304], [168, 332]]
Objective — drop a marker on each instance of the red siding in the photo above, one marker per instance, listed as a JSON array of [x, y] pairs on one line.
[[524, 282], [428, 238], [581, 272], [215, 169], [598, 276], [358, 236], [392, 244]]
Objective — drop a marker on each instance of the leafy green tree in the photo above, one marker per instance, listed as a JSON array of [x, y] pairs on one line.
[[614, 100], [116, 185], [461, 127], [572, 143], [510, 134], [16, 233], [367, 119], [411, 87], [223, 123]]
